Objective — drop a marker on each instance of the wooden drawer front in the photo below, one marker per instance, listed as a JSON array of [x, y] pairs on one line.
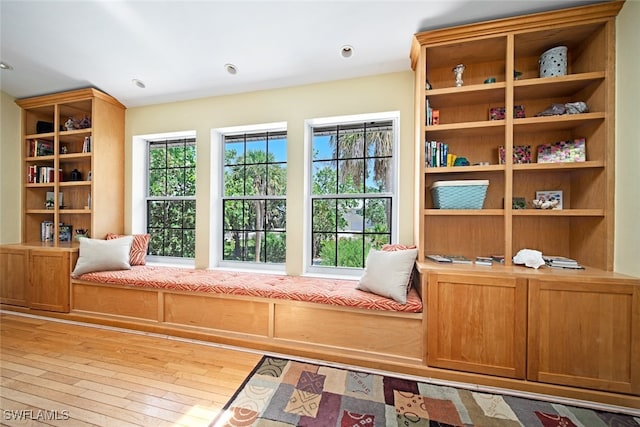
[[243, 316], [14, 277], [585, 335], [128, 302], [398, 336], [477, 324]]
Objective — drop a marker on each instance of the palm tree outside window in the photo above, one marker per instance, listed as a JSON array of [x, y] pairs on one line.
[[352, 191]]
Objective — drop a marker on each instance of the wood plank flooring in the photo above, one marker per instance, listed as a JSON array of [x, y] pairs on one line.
[[63, 374]]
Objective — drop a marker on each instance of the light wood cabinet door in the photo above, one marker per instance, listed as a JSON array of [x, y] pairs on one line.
[[477, 323], [49, 279], [13, 276], [585, 334]]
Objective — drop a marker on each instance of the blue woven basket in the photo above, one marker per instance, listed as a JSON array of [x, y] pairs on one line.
[[463, 194]]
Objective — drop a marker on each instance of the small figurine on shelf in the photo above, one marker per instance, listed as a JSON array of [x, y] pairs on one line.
[[69, 124], [85, 123], [457, 71]]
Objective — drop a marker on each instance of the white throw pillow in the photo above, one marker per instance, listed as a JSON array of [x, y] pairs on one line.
[[387, 273], [103, 255]]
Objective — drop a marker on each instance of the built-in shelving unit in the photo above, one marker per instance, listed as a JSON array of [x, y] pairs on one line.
[[504, 49]]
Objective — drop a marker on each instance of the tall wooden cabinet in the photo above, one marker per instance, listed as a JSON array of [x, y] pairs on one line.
[[576, 328], [73, 179]]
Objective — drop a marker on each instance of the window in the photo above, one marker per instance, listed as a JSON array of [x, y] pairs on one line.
[[254, 188], [352, 190], [171, 201]]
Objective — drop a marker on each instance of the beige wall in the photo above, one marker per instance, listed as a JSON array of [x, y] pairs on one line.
[[388, 92], [10, 182], [627, 243]]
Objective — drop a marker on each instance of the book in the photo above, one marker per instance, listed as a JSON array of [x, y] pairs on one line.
[[560, 260], [498, 258], [573, 267], [459, 259], [484, 260], [438, 258]]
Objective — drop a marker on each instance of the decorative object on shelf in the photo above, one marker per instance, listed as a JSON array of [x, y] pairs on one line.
[[461, 161], [84, 123], [517, 74], [49, 202], [518, 203], [553, 62], [529, 257], [81, 233], [497, 113], [549, 199], [457, 71], [427, 85], [76, 175], [462, 194], [490, 80], [63, 149], [70, 124], [563, 151], [521, 154], [44, 127], [64, 232], [576, 107], [568, 108]]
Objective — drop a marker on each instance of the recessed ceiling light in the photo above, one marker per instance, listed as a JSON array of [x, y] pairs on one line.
[[346, 51], [138, 83], [5, 66], [231, 69]]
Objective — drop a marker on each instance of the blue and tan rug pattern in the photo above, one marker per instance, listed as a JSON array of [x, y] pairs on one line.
[[280, 393]]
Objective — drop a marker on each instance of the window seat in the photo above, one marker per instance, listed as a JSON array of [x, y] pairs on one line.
[[307, 316], [295, 288]]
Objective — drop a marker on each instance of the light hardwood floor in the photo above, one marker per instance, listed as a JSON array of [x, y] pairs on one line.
[[86, 376]]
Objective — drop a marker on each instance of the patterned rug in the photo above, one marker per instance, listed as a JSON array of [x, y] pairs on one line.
[[282, 392]]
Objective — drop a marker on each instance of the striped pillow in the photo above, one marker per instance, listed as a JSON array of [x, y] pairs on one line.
[[138, 253], [399, 247]]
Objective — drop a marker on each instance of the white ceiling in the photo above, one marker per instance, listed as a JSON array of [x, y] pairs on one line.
[[179, 48]]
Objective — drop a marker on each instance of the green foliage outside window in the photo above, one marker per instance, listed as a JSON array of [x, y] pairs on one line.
[[352, 182], [171, 205], [254, 205]]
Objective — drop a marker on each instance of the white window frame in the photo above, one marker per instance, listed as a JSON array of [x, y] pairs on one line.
[[217, 193], [394, 117], [139, 186]]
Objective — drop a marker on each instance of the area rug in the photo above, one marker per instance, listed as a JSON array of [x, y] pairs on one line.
[[280, 393]]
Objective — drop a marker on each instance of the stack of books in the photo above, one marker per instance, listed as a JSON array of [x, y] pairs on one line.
[[561, 262], [455, 259]]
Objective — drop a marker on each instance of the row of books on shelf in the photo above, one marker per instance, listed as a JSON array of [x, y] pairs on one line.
[[43, 147], [42, 174], [553, 261], [86, 145], [437, 154], [47, 232]]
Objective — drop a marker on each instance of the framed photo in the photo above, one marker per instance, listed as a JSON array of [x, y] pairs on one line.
[[554, 196], [65, 232]]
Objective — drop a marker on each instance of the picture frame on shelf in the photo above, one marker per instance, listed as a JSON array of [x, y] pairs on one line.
[[49, 202], [552, 198], [65, 231]]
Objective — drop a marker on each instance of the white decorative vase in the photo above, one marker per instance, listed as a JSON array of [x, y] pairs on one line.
[[553, 62]]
